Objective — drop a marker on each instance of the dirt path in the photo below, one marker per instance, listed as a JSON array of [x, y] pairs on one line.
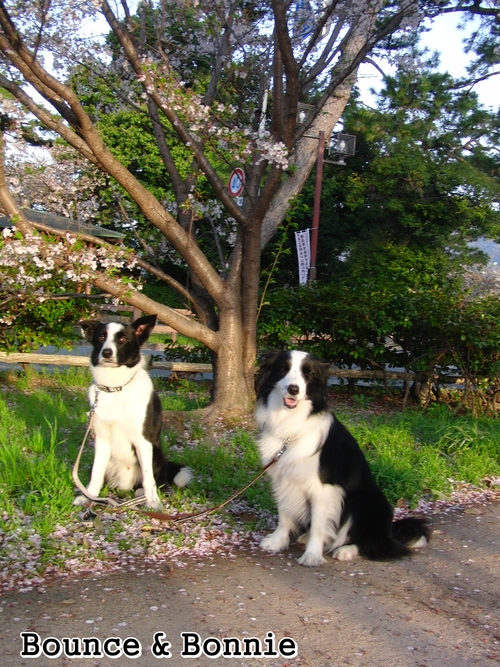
[[441, 607]]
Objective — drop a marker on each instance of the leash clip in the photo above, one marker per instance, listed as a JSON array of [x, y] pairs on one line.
[[278, 455], [282, 450], [93, 407]]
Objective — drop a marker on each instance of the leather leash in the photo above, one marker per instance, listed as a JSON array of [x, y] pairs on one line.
[[180, 518], [114, 506]]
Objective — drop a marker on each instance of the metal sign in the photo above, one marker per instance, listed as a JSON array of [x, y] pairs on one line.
[[236, 182], [303, 254]]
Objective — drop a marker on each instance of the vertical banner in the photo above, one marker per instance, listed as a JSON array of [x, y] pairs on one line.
[[303, 254]]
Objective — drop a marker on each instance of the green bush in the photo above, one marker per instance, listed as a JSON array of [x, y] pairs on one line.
[[403, 311]]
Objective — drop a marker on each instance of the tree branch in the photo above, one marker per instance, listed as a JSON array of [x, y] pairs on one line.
[[153, 270], [319, 29], [179, 127], [90, 144], [475, 8], [47, 119]]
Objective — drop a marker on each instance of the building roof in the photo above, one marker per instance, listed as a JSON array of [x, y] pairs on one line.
[[62, 224]]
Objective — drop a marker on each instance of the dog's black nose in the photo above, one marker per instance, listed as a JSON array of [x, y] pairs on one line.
[[293, 389], [107, 353]]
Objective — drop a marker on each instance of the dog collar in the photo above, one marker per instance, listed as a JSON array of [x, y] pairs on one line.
[[112, 390], [109, 390]]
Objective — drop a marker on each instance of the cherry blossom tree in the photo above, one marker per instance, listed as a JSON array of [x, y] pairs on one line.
[[219, 83], [55, 179]]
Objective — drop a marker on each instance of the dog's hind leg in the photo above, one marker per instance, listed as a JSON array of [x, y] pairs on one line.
[[144, 451], [302, 539], [347, 552], [326, 509]]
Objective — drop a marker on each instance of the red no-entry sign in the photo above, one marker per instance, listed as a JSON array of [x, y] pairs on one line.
[[236, 182]]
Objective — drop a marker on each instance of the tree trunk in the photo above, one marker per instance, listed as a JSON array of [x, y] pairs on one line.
[[306, 154], [232, 396], [249, 301]]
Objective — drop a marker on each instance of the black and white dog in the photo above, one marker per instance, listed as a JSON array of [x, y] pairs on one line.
[[128, 417], [322, 482]]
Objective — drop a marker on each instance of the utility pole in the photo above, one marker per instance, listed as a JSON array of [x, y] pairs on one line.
[[317, 206], [344, 146]]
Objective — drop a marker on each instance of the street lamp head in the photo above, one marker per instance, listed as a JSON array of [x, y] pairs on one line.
[[342, 146], [303, 111]]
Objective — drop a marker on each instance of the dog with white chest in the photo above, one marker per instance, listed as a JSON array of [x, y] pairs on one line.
[[128, 417], [322, 481]]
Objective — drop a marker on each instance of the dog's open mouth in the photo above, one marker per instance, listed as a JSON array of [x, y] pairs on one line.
[[290, 402]]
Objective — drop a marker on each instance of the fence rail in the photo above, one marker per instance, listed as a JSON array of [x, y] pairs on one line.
[[26, 358]]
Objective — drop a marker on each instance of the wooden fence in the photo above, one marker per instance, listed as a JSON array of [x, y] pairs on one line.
[[25, 359]]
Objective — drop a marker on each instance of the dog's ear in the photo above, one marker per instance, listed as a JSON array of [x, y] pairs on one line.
[[88, 328], [266, 362], [327, 366], [321, 367], [143, 327]]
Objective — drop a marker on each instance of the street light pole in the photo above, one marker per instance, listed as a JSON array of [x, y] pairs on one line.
[[317, 205]]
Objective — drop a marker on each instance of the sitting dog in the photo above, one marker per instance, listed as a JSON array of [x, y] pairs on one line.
[[322, 481], [128, 417]]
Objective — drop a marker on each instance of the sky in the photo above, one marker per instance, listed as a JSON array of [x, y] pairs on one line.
[[446, 38]]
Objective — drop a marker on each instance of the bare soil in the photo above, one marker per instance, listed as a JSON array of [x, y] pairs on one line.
[[439, 607]]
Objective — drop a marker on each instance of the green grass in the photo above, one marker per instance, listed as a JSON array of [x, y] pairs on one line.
[[224, 467], [164, 339], [42, 417], [183, 395], [413, 454]]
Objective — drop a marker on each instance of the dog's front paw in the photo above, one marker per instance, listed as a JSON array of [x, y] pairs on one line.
[[347, 552], [154, 504], [274, 542], [311, 559]]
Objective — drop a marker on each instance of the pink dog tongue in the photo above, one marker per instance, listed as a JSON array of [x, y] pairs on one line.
[[290, 402]]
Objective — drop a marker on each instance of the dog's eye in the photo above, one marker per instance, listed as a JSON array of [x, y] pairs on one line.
[[102, 337], [122, 339]]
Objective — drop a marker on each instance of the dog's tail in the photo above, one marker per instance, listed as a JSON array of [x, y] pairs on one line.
[[412, 532], [174, 473], [178, 474], [406, 534]]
